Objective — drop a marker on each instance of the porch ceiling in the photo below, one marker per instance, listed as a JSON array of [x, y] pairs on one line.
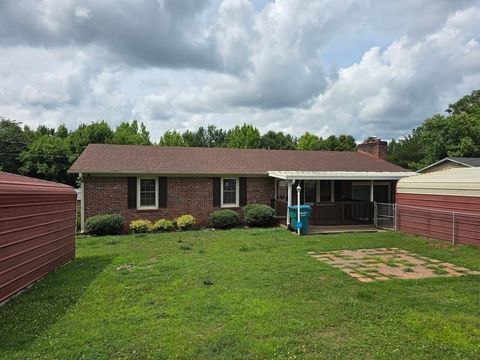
[[339, 175]]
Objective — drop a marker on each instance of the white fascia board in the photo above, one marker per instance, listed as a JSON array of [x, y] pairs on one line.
[[339, 175]]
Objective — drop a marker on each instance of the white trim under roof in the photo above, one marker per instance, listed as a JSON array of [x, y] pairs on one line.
[[442, 161], [340, 175]]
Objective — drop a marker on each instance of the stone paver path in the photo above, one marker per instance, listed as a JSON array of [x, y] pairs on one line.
[[367, 265]]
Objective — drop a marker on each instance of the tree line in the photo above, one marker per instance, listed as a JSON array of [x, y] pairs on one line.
[[47, 153], [455, 133]]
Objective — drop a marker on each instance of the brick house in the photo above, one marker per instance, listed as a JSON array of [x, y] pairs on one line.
[[152, 182]]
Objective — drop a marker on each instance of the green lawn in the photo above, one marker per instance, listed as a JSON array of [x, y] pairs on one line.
[[269, 299]]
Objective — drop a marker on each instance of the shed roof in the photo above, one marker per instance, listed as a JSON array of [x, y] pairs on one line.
[[465, 161], [460, 181], [11, 183], [137, 159]]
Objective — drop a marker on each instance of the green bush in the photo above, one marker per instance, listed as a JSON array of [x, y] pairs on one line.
[[256, 215], [185, 222], [104, 225], [247, 208], [163, 225], [224, 219], [141, 226]]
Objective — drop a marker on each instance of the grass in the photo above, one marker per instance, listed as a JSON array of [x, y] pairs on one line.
[[241, 294]]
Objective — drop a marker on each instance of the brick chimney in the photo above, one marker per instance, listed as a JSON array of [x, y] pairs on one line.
[[374, 147]]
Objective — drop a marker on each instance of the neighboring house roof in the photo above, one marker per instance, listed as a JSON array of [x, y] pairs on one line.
[[137, 159], [460, 181], [465, 161]]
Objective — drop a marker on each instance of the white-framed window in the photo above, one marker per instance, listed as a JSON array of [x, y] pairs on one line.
[[147, 193], [230, 192]]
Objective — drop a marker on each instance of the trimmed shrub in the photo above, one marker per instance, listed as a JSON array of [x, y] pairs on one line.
[[163, 225], [141, 226], [104, 225], [185, 222], [246, 208], [224, 219], [256, 215]]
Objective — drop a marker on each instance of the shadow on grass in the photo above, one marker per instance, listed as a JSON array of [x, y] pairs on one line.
[[32, 312]]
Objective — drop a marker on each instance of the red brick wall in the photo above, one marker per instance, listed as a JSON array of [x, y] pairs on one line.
[[375, 147], [185, 195]]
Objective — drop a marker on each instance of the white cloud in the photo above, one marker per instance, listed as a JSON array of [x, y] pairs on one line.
[[82, 13], [327, 67]]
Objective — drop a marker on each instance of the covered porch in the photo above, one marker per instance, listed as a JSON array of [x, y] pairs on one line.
[[338, 199]]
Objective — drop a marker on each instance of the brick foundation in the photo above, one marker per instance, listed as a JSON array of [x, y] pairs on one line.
[[185, 195]]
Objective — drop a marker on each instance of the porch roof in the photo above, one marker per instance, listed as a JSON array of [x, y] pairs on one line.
[[340, 175]]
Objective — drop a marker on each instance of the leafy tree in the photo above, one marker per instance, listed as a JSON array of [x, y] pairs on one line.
[[44, 130], [47, 158], [12, 142], [94, 133], [244, 137], [309, 141], [469, 104], [130, 134], [172, 138], [346, 143], [62, 131], [408, 152], [216, 137], [454, 135], [197, 138], [330, 144], [277, 141], [30, 134]]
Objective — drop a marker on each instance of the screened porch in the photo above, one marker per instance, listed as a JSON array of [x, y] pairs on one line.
[[337, 201]]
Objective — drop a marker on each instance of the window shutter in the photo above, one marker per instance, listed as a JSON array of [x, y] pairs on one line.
[[216, 191], [243, 191], [132, 192], [162, 192]]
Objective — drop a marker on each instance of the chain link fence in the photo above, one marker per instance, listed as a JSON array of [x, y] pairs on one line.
[[384, 216], [452, 226]]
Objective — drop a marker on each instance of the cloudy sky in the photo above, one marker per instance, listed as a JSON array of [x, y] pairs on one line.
[[362, 67]]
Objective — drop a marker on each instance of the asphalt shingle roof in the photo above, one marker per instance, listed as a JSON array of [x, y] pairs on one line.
[[475, 162], [136, 159]]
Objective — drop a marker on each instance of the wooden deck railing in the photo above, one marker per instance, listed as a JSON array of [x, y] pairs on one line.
[[342, 213], [333, 213]]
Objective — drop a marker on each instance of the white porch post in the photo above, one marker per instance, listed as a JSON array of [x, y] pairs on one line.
[[289, 200], [371, 190]]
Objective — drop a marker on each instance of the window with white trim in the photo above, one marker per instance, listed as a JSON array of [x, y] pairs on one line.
[[230, 192], [147, 193]]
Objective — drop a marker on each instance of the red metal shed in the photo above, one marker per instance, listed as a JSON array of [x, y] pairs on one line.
[[443, 205], [37, 230]]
